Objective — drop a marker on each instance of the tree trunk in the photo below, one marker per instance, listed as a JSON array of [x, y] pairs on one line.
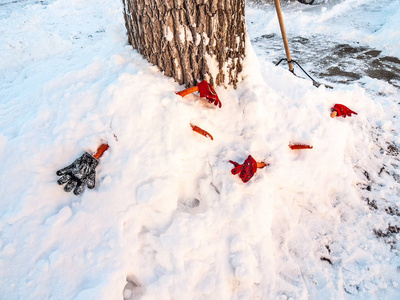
[[190, 40]]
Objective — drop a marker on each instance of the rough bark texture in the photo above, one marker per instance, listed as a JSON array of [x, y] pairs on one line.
[[189, 40]]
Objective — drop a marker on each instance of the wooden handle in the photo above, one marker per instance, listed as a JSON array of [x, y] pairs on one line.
[[100, 151], [283, 32], [188, 91]]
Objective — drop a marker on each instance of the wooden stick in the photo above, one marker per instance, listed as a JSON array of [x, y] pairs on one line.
[[283, 32]]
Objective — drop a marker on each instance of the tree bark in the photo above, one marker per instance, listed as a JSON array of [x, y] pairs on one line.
[[190, 40]]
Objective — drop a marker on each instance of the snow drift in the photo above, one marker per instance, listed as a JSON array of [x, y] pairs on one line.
[[167, 218]]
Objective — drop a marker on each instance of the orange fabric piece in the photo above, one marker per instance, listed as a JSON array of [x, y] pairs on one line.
[[100, 151], [299, 146], [201, 131], [261, 165], [188, 91]]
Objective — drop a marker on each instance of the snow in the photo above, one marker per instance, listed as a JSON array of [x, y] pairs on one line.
[[170, 35], [167, 219]]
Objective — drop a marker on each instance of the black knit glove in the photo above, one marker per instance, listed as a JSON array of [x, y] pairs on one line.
[[78, 174]]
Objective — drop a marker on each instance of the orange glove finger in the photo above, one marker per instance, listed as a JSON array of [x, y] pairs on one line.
[[100, 151], [188, 91], [201, 131]]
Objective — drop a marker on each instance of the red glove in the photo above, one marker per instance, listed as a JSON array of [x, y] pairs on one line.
[[342, 110], [207, 91], [247, 169]]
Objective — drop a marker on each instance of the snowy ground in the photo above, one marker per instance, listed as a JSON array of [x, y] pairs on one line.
[[167, 219]]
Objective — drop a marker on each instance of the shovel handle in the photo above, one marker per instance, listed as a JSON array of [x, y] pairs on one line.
[[188, 91], [283, 32], [102, 148]]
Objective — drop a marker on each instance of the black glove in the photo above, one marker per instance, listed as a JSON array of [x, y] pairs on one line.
[[78, 174]]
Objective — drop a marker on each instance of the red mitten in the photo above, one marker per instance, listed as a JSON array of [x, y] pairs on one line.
[[207, 91], [342, 110], [247, 169]]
